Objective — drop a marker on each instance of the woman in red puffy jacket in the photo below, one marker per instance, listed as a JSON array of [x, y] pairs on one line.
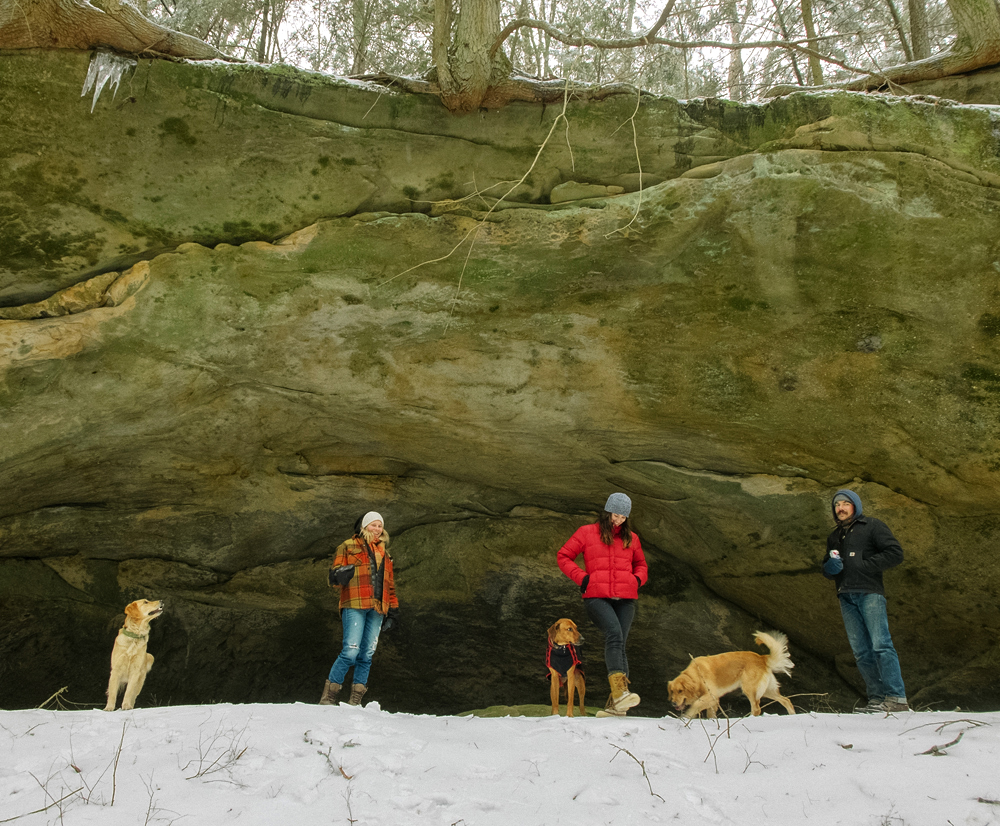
[[613, 569]]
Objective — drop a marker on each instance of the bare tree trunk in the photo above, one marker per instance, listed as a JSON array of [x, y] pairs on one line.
[[919, 36], [359, 41], [977, 46], [264, 30], [978, 23], [548, 40], [784, 33], [737, 81], [79, 24], [815, 66], [900, 31], [468, 78]]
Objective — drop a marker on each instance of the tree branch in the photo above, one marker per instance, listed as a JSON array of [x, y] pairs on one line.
[[641, 40], [650, 39]]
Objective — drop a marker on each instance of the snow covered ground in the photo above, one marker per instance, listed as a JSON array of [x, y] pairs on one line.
[[304, 765]]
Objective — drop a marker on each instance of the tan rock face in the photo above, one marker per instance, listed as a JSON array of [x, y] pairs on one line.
[[812, 310]]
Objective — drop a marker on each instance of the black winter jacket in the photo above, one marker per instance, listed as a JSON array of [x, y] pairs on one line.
[[867, 547]]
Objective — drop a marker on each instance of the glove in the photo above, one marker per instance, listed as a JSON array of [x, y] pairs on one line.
[[638, 582], [583, 584], [833, 565], [391, 619], [342, 575]]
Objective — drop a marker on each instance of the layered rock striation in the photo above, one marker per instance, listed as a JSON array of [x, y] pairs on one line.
[[239, 307]]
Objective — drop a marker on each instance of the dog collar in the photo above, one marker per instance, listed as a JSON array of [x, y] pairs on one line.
[[133, 635]]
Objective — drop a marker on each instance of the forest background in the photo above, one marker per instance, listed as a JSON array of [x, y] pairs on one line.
[[736, 49]]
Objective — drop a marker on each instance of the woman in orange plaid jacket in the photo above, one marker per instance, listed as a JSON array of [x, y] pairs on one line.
[[362, 569]]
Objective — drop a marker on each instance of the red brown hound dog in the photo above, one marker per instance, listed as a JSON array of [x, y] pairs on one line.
[[565, 665]]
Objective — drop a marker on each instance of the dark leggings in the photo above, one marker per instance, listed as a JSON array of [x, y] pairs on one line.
[[613, 617]]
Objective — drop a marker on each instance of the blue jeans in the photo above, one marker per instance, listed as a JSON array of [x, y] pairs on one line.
[[614, 617], [867, 627], [361, 629]]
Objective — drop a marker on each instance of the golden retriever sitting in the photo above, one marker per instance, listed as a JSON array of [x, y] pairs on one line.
[[565, 665], [699, 686], [129, 661]]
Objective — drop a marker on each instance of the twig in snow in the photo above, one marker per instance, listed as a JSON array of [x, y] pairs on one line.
[[750, 760], [642, 766], [939, 751], [55, 697], [942, 726], [347, 798], [114, 772], [230, 752], [711, 750], [44, 808]]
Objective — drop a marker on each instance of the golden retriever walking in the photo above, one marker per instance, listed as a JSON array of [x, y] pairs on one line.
[[129, 661], [699, 686]]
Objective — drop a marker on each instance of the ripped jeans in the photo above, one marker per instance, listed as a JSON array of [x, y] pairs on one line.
[[361, 630]]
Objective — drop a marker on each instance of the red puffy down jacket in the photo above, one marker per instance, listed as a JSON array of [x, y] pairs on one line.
[[612, 570]]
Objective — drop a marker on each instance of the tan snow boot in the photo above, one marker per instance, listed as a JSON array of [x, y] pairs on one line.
[[609, 709], [623, 699], [330, 692], [357, 692]]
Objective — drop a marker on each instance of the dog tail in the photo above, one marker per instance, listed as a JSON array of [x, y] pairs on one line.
[[778, 659]]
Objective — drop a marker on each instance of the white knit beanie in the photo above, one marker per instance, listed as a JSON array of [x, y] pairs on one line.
[[370, 517]]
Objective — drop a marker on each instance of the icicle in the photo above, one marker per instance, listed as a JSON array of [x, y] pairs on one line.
[[105, 68]]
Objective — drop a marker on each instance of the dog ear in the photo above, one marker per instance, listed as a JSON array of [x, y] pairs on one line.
[[132, 610], [552, 629]]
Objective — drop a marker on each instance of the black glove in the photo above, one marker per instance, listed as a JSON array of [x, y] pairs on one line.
[[638, 581], [391, 619], [583, 585], [342, 575]]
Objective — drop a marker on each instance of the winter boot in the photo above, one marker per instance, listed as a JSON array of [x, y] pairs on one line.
[[357, 692], [609, 709], [622, 698], [330, 692]]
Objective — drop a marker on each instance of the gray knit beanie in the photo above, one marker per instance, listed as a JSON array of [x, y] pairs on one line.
[[618, 503]]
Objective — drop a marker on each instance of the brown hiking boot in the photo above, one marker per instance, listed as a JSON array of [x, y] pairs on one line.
[[330, 692], [622, 697], [609, 709], [357, 692]]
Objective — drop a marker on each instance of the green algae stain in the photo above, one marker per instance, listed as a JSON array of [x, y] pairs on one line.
[[178, 129]]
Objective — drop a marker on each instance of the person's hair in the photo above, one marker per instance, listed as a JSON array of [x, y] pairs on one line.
[[607, 529], [366, 535]]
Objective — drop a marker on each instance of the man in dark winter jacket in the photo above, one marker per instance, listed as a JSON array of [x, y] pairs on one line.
[[858, 550]]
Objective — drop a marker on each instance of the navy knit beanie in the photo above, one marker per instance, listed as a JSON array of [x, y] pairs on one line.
[[851, 497]]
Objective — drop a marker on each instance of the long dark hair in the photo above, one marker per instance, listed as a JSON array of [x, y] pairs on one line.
[[607, 529]]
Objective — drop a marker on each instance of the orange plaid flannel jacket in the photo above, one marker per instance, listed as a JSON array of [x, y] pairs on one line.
[[359, 592]]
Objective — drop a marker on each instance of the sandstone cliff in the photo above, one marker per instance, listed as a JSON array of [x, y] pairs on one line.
[[239, 307]]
